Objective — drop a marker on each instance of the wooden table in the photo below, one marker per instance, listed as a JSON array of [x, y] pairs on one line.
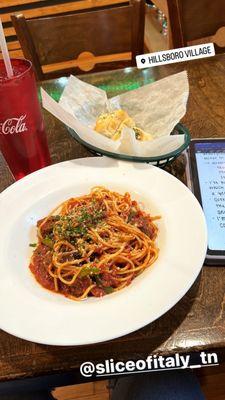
[[197, 322]]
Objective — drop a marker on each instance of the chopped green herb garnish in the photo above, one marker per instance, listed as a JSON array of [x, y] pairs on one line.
[[33, 244], [131, 215], [108, 289], [98, 280], [73, 226], [89, 271], [48, 242]]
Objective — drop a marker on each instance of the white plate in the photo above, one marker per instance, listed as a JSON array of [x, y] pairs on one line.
[[33, 313]]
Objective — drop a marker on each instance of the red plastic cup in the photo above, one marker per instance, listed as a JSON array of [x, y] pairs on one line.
[[22, 135]]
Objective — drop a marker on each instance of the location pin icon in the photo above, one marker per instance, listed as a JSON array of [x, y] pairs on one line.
[[143, 60]]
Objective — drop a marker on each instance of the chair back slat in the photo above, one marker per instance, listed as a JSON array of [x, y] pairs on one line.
[[64, 38]]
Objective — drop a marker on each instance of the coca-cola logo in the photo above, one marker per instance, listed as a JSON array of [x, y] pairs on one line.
[[13, 125]]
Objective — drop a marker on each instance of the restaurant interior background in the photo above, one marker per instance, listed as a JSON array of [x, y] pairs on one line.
[[160, 25]]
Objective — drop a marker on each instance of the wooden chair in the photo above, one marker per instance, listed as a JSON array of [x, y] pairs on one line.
[[197, 21], [82, 42], [44, 8]]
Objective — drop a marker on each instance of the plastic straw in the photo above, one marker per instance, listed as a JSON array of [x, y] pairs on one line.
[[5, 53]]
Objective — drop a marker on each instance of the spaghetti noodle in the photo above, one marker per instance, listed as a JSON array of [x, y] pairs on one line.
[[94, 244]]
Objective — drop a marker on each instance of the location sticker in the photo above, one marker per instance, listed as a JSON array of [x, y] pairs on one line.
[[175, 55]]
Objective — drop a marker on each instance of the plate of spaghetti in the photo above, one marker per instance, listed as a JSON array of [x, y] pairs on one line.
[[96, 243]]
